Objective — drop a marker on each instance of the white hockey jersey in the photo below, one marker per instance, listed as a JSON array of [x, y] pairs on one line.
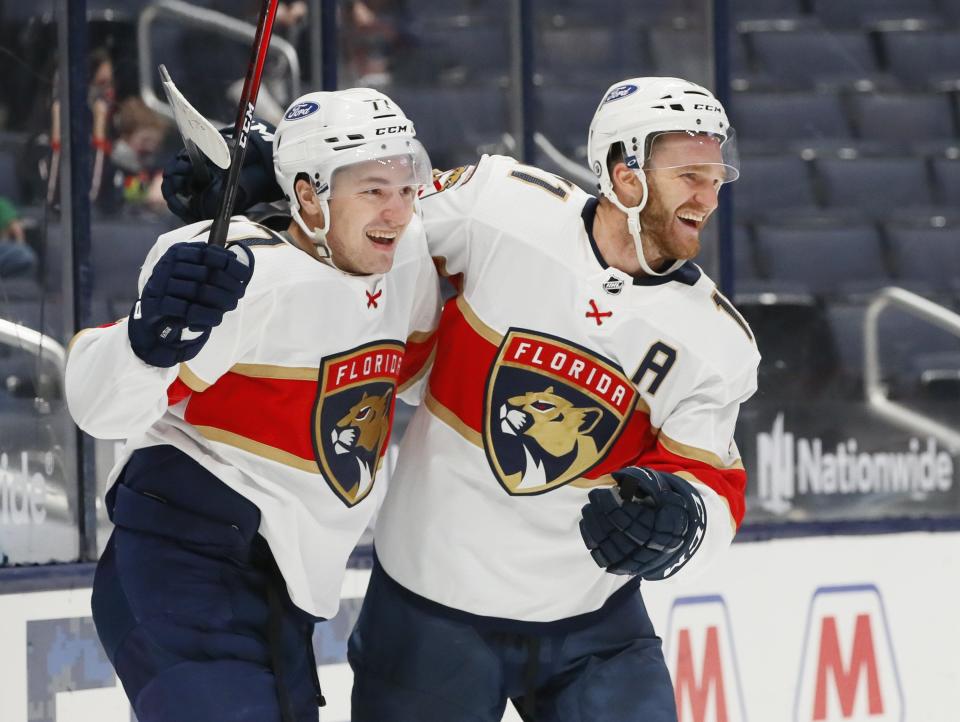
[[289, 402], [553, 370]]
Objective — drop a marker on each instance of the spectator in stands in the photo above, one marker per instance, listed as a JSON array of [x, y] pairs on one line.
[[17, 259], [141, 133], [373, 35]]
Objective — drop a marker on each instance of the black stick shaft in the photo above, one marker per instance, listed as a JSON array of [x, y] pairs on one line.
[[248, 102]]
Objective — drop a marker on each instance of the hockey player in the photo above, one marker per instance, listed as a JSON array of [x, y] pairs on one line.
[[576, 435], [255, 385]]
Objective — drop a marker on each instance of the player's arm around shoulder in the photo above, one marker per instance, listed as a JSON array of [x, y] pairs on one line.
[[118, 376], [426, 304]]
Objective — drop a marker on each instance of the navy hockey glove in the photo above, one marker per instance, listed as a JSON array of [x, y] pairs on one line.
[[191, 202], [650, 525], [191, 287]]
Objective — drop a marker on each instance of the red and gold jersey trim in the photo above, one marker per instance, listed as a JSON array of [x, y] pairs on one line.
[[697, 454], [255, 447]]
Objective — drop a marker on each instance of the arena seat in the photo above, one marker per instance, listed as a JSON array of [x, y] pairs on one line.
[[881, 186], [929, 255], [946, 180], [865, 13], [769, 185], [805, 57], [788, 118], [906, 119], [922, 57], [833, 261]]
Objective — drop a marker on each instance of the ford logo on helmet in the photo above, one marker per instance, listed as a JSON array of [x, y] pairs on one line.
[[301, 110], [621, 91]]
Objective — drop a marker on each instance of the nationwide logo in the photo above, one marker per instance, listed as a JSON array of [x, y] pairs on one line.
[[23, 494], [848, 672], [703, 665], [789, 467], [353, 413], [552, 411]]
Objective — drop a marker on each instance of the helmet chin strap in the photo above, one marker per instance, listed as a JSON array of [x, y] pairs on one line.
[[318, 235], [633, 225]]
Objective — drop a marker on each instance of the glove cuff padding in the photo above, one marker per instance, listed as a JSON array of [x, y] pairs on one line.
[[650, 525], [191, 286]]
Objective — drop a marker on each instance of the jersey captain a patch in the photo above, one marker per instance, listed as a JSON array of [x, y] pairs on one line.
[[352, 416], [552, 411]]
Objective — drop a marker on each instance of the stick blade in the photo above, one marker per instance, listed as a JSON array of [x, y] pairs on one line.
[[194, 127]]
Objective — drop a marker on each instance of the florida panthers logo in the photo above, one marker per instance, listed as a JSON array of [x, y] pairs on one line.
[[353, 416], [553, 410]]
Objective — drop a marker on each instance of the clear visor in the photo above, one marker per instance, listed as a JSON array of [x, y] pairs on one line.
[[714, 155], [400, 164]]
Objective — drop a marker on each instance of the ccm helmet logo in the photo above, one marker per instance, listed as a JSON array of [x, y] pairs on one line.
[[301, 110], [621, 91], [704, 106], [393, 129]]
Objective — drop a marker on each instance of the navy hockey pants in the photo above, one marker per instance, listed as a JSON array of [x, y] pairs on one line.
[[190, 606], [414, 661]]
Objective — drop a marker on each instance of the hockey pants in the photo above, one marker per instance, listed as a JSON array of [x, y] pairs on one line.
[[414, 660], [190, 606]]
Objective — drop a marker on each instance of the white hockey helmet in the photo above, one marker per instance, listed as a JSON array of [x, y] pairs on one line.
[[633, 113], [324, 132]]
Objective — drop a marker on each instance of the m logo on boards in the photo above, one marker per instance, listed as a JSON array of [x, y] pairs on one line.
[[699, 651], [848, 671]]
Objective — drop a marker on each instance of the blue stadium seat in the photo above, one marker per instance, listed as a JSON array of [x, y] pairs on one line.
[[906, 346], [946, 181], [830, 260], [800, 58], [765, 9], [769, 185], [477, 51], [926, 255], [579, 53], [790, 119], [923, 57], [797, 355], [676, 53], [864, 13], [880, 186], [905, 119], [564, 115]]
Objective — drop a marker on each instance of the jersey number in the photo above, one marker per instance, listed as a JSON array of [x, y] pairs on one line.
[[724, 305], [535, 177]]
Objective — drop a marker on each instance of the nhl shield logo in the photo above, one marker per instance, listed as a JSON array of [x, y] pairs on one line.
[[352, 416], [552, 411]]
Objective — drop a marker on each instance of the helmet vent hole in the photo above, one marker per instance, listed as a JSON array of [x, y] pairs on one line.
[[331, 140], [676, 106], [355, 136]]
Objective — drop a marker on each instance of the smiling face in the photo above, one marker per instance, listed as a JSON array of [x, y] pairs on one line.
[[372, 205], [684, 174]]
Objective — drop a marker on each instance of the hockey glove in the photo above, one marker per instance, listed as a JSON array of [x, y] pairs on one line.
[[650, 525], [191, 287], [191, 201]]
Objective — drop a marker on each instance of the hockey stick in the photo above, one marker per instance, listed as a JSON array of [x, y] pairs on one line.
[[199, 135], [248, 102]]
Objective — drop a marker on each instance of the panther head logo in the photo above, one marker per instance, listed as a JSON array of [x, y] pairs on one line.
[[551, 429], [364, 426]]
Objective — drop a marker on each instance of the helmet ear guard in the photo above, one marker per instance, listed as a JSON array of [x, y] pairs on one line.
[[634, 113]]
